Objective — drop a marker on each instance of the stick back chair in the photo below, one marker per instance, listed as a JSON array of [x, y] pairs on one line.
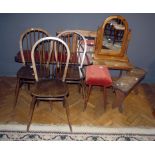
[[25, 73], [78, 48], [53, 88]]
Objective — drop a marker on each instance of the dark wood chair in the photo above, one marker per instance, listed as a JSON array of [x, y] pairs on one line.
[[53, 88], [78, 48], [25, 73]]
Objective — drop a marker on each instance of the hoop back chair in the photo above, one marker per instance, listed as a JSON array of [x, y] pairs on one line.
[[53, 88], [25, 73], [78, 48]]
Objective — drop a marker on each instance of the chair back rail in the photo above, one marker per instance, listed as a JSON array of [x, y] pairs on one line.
[[77, 45], [27, 40], [46, 44]]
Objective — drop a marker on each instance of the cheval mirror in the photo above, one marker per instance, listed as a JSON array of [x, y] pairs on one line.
[[112, 43]]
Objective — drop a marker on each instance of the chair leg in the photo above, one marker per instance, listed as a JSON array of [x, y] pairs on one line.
[[51, 105], [28, 86], [120, 73], [63, 103], [104, 97], [32, 106], [67, 113], [87, 97], [38, 103], [81, 86], [18, 85]]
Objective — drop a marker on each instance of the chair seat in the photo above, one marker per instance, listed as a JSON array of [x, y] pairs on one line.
[[73, 73], [98, 75], [50, 88], [26, 72]]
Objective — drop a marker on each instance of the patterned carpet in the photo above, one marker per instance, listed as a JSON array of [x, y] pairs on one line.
[[16, 132]]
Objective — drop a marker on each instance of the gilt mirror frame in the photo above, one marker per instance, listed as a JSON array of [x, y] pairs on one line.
[[101, 53]]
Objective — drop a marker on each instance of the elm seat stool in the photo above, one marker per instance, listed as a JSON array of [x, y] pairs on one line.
[[97, 75], [125, 84]]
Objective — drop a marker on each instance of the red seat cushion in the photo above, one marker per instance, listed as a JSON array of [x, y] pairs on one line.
[[61, 57], [98, 75], [27, 56]]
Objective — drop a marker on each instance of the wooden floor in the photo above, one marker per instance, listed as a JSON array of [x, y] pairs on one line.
[[137, 107]]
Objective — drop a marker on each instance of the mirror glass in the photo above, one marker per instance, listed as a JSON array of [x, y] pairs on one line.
[[113, 35]]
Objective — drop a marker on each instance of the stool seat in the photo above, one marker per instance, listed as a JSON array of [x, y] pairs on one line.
[[125, 84], [98, 75]]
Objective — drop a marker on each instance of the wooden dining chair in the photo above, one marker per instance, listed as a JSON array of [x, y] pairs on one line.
[[53, 88], [78, 48], [25, 73]]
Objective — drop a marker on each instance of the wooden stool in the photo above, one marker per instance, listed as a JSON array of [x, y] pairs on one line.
[[125, 84]]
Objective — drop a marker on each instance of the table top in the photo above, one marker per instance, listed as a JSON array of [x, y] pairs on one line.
[[113, 64], [86, 33]]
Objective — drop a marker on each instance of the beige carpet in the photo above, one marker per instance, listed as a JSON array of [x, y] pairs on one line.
[[44, 132]]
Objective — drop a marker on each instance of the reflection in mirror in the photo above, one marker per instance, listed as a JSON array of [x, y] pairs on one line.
[[113, 35]]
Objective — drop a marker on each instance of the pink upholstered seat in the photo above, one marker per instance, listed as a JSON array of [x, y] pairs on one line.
[[98, 75]]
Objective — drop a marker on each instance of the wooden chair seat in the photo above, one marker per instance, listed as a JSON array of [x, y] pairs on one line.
[[50, 88], [73, 74], [26, 72]]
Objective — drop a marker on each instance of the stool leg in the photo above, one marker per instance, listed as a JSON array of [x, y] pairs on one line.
[[87, 97], [51, 105], [136, 90], [120, 96], [105, 97], [153, 113]]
